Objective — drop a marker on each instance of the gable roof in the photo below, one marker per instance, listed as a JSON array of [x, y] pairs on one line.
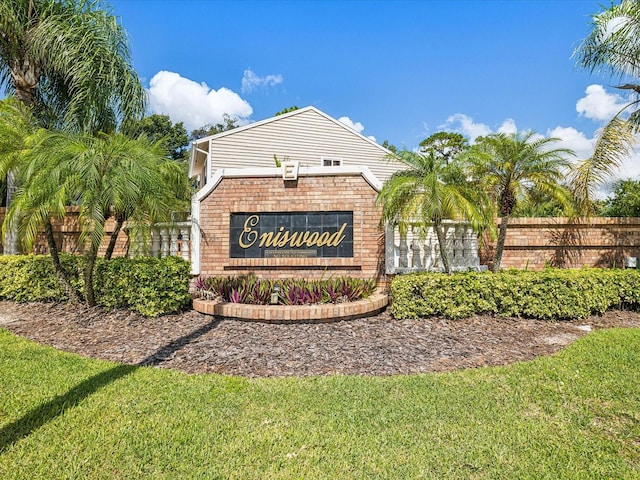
[[284, 116]]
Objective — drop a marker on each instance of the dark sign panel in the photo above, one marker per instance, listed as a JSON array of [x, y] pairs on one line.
[[291, 235]]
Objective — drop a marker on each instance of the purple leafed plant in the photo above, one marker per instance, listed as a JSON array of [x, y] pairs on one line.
[[252, 290]]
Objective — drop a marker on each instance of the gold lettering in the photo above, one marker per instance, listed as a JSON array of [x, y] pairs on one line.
[[297, 239], [313, 239], [323, 239], [336, 238], [266, 239], [283, 238], [270, 240], [251, 235]]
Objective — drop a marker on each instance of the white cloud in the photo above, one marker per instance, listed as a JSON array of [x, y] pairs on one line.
[[357, 126], [193, 103], [583, 147], [465, 125], [598, 104], [574, 140], [251, 81], [508, 126], [613, 25]]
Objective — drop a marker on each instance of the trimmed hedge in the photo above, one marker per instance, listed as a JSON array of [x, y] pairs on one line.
[[549, 294], [149, 286]]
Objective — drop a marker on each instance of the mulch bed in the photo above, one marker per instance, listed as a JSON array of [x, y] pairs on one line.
[[381, 345]]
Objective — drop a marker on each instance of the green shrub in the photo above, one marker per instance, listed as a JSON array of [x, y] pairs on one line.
[[30, 278], [549, 294], [149, 286]]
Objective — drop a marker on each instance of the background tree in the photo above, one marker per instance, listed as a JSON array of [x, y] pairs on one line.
[[69, 62], [445, 145], [430, 191], [541, 204], [287, 110], [625, 201], [159, 128], [106, 175], [389, 146], [613, 48], [228, 123], [512, 168]]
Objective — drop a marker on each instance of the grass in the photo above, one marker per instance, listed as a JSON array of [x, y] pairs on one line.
[[573, 415]]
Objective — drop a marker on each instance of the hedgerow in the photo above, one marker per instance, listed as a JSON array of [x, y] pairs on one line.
[[548, 294], [149, 286]]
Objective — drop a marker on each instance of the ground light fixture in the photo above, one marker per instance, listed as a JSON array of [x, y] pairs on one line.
[[275, 295]]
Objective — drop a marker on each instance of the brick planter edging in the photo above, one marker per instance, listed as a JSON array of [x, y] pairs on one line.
[[327, 312]]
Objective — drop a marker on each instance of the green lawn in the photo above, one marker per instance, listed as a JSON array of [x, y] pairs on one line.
[[573, 415]]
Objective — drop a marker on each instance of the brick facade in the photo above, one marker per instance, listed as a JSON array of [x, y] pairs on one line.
[[67, 234], [531, 243], [534, 243], [309, 193]]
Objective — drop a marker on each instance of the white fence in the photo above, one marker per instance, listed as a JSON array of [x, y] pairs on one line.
[[418, 249], [166, 239]]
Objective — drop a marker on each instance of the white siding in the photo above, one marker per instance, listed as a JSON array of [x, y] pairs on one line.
[[304, 136]]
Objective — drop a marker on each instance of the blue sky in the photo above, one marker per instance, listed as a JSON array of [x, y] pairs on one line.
[[395, 70]]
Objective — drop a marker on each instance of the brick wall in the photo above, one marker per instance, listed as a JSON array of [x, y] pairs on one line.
[[67, 234], [307, 194], [562, 242]]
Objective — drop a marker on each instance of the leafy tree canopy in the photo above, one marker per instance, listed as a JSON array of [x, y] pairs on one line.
[[390, 146], [445, 145], [159, 128], [625, 201], [228, 123], [287, 110]]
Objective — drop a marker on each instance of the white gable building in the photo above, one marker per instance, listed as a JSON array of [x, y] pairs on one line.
[[307, 136]]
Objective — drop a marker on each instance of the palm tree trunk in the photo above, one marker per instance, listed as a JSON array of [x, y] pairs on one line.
[[25, 80], [443, 248], [89, 292], [114, 238], [502, 236], [57, 268], [10, 243]]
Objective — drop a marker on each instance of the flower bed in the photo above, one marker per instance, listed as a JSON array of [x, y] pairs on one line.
[[249, 289]]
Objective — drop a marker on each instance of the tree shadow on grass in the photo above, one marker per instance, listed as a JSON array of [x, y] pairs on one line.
[[40, 416]]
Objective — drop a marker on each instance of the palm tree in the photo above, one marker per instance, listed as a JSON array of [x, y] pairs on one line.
[[431, 190], [69, 62], [612, 47], [105, 175], [513, 167], [17, 128]]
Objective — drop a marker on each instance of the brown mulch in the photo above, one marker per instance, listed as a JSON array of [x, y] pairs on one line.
[[379, 345]]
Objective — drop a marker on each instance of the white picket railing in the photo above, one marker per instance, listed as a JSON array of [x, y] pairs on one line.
[[418, 249], [171, 239]]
